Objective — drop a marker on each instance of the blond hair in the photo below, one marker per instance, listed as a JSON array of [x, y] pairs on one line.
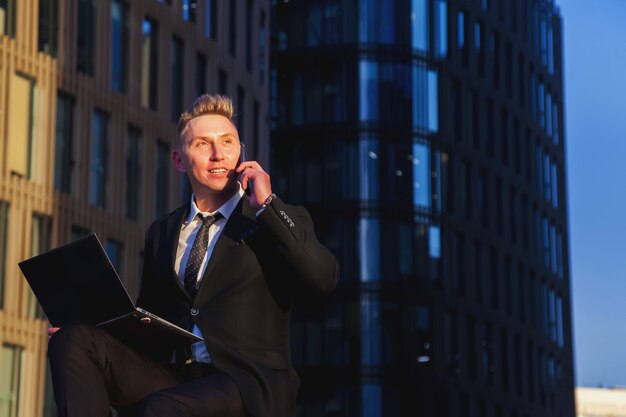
[[205, 104]]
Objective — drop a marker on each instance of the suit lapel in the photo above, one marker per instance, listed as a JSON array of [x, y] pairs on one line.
[[240, 223], [174, 224]]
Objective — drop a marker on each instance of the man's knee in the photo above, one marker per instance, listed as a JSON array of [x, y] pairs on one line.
[[70, 338]]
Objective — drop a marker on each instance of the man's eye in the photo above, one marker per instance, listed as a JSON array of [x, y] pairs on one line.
[[228, 141]]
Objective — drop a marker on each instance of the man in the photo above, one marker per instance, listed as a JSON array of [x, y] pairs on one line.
[[227, 266]]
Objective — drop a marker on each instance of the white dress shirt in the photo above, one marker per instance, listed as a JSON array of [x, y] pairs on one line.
[[188, 233]]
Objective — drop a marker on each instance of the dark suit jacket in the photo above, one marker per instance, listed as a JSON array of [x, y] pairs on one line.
[[243, 304]]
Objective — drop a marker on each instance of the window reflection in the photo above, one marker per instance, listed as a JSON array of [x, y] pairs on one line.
[[369, 249], [368, 88], [421, 176], [442, 28], [419, 24], [425, 98], [369, 172], [379, 22], [371, 400]]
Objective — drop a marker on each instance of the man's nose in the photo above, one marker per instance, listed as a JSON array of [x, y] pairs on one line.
[[217, 153]]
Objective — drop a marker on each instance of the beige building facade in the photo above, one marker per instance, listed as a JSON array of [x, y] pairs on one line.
[[600, 402], [89, 94]]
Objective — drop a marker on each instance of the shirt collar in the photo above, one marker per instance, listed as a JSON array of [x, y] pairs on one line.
[[225, 210]]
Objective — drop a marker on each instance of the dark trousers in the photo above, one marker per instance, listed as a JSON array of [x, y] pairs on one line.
[[92, 371]]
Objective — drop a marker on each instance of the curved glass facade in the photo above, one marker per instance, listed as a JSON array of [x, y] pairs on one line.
[[426, 138]]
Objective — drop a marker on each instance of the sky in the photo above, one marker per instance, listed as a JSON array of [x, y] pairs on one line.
[[595, 118]]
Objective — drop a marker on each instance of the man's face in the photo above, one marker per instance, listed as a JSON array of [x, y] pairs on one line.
[[209, 153]]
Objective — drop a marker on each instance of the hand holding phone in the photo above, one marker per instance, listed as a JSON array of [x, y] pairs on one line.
[[255, 180]]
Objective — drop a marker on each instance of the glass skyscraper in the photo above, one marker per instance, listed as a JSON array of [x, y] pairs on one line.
[[426, 138]]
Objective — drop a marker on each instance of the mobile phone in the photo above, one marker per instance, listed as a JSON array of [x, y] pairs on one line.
[[243, 158]]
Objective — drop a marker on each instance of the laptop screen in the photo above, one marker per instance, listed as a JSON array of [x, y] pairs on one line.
[[76, 282]]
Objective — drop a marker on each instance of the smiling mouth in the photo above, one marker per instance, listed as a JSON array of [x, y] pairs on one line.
[[218, 171]]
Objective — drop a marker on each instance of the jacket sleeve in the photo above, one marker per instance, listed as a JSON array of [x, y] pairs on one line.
[[293, 243]]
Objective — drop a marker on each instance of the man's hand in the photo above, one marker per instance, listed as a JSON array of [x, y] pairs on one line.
[[52, 330], [251, 173]]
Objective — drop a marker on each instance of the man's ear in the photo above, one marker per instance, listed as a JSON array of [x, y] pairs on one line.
[[177, 160]]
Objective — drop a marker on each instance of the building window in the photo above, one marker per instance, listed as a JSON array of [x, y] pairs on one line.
[[369, 249], [7, 17], [21, 127], [521, 292], [369, 168], [371, 332], [189, 10], [4, 229], [368, 90], [177, 69], [423, 331], [256, 137], [99, 159], [48, 26], [421, 176], [494, 274], [541, 104], [530, 371], [149, 63], [419, 25], [459, 266], [478, 271], [133, 173], [482, 197], [491, 128], [471, 348], [232, 27], [222, 82], [499, 207], [548, 110], [555, 122], [64, 162], [442, 28], [114, 250], [210, 19], [86, 36], [249, 27], [10, 380], [185, 189], [486, 355], [241, 106], [434, 253], [262, 47], [462, 35], [494, 51], [479, 48], [425, 98], [41, 242], [201, 69], [120, 34], [162, 178]]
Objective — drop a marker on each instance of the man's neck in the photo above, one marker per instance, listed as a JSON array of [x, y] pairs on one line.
[[209, 202]]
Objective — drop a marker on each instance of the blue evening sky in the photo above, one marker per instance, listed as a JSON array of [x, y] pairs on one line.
[[595, 93]]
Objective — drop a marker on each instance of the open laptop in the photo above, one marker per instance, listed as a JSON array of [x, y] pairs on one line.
[[76, 282]]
